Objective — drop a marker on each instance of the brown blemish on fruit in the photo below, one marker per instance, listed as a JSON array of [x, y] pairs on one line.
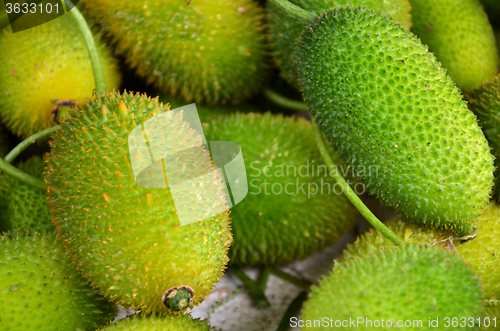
[[61, 103]]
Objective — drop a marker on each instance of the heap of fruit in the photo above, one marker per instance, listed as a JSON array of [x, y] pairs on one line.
[[403, 92]]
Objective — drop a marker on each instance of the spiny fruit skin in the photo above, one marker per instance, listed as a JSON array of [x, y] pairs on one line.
[[285, 30], [492, 312], [151, 322], [41, 288], [43, 65], [479, 253], [459, 34], [199, 50], [485, 103], [23, 206], [127, 239], [273, 225], [397, 284], [384, 101]]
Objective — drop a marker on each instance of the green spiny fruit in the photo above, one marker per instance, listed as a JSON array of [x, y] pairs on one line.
[[207, 112], [491, 316], [479, 253], [285, 30], [485, 103], [408, 283], [385, 102], [151, 322], [199, 50], [44, 70], [459, 34], [291, 209], [41, 288], [23, 206], [127, 239]]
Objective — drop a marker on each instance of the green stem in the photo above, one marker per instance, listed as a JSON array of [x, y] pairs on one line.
[[356, 201], [294, 11], [264, 276], [27, 142], [25, 178], [100, 83], [285, 102], [292, 310], [290, 278], [257, 293]]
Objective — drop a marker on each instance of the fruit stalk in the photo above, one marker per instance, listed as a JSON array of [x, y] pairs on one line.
[[349, 193], [285, 102], [100, 83], [295, 11], [27, 142], [14, 172], [255, 289]]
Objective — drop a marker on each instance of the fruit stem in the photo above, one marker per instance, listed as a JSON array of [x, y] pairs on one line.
[[355, 200], [263, 277], [27, 142], [292, 310], [289, 278], [100, 83], [16, 173], [257, 293], [294, 11], [285, 102]]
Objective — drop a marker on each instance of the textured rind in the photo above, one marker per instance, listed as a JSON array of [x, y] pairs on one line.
[[270, 229], [479, 253], [42, 290], [284, 31], [150, 322], [199, 50], [127, 239], [46, 63], [485, 103], [24, 207], [491, 311], [397, 283], [207, 112], [460, 36], [384, 101]]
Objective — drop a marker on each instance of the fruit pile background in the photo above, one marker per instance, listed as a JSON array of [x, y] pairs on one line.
[[235, 59]]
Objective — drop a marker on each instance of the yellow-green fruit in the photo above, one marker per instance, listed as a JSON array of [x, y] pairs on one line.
[[211, 51], [459, 34], [407, 283], [151, 322], [44, 68], [491, 316], [285, 30], [386, 103], [485, 103], [479, 253], [23, 206], [126, 238], [42, 290], [293, 207]]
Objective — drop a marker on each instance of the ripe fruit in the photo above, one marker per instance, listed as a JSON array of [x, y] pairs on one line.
[[384, 101], [285, 30], [151, 322], [44, 68], [459, 34], [41, 288], [485, 103], [23, 206], [293, 207], [479, 253], [126, 238], [408, 283], [198, 50]]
